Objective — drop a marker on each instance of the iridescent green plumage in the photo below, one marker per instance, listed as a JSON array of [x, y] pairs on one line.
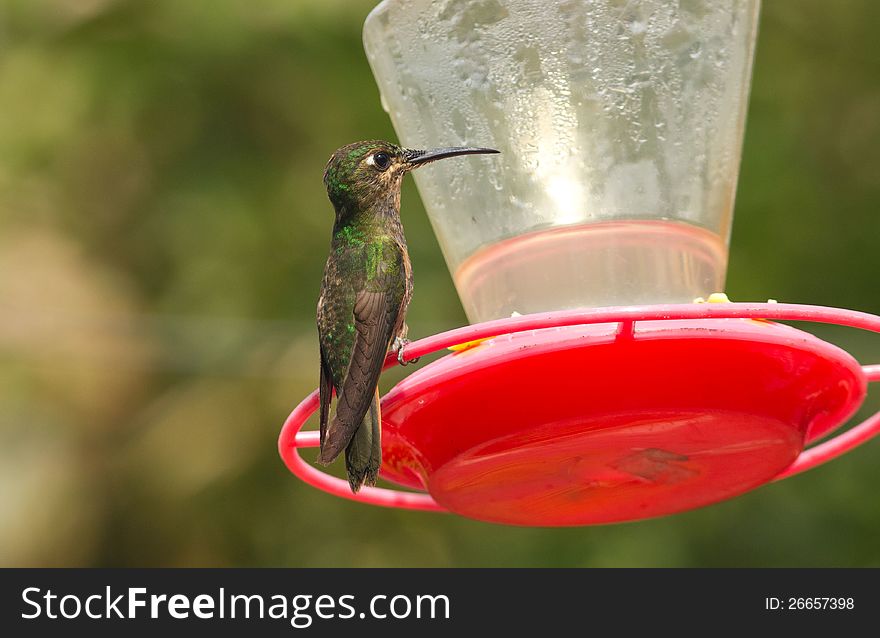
[[365, 293]]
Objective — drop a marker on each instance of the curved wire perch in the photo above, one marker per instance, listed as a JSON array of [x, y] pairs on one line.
[[840, 444], [556, 319], [292, 438]]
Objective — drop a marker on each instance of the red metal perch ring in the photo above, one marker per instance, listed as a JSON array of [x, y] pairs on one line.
[[626, 320]]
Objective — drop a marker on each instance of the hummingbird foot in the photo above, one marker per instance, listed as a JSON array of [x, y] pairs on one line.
[[397, 346]]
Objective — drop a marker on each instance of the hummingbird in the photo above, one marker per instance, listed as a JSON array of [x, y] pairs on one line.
[[365, 293]]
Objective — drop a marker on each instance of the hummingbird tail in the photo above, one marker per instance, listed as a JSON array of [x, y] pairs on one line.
[[363, 456]]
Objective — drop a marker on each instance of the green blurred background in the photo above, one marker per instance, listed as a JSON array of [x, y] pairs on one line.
[[163, 229]]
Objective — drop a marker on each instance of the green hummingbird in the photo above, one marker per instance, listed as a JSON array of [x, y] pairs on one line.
[[365, 293]]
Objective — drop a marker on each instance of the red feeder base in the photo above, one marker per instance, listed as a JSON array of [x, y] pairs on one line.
[[605, 422], [578, 425]]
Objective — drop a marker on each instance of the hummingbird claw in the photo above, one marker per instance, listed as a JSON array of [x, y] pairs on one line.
[[398, 346]]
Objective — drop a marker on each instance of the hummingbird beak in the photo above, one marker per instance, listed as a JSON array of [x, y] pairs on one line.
[[414, 159]]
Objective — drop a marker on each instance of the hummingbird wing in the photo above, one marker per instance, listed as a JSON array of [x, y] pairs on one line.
[[375, 315], [325, 392]]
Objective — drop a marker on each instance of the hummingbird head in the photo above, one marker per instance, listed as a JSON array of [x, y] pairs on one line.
[[364, 174]]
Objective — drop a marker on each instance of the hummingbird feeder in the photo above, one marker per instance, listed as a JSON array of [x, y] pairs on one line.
[[590, 388]]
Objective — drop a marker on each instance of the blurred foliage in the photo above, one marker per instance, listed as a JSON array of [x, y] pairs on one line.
[[163, 229]]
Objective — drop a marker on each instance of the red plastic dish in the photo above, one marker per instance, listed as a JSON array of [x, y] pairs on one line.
[[610, 414]]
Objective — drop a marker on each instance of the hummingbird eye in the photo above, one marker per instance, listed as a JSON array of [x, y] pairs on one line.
[[381, 161]]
